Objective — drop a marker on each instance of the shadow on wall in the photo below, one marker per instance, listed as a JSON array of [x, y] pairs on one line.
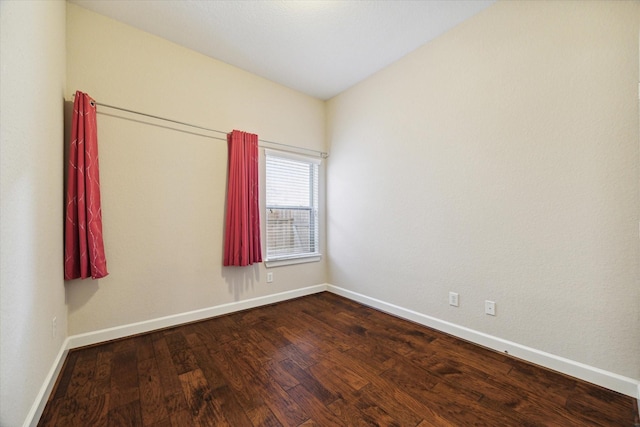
[[238, 279], [241, 279], [68, 115], [79, 292]]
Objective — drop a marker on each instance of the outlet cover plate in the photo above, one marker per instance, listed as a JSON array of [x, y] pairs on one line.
[[453, 299], [490, 308]]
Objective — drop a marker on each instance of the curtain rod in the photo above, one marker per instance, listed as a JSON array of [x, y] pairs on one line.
[[322, 154]]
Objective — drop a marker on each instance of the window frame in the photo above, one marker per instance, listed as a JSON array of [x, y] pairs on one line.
[[314, 211]]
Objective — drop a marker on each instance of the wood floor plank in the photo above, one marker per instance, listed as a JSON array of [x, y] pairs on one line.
[[210, 370], [431, 415], [174, 401], [262, 416], [294, 353], [152, 402], [343, 386], [587, 406], [350, 415], [124, 378], [551, 386], [481, 362], [237, 380], [470, 405], [81, 383], [49, 416], [181, 354], [124, 344], [321, 325], [310, 383], [84, 412], [126, 415], [375, 415], [205, 409], [102, 378], [250, 353], [279, 374], [319, 360], [60, 389], [493, 358], [181, 418], [231, 408], [144, 347], [272, 336], [93, 411], [194, 339], [417, 405], [257, 339], [209, 333], [303, 339], [430, 423], [378, 358], [78, 411], [286, 409], [317, 411], [371, 397], [263, 389]]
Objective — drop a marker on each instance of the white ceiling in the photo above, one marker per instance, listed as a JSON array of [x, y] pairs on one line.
[[320, 48]]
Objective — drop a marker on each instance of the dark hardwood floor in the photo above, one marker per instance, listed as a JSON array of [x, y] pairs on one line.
[[320, 360]]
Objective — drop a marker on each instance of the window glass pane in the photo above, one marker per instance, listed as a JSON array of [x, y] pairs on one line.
[[289, 232], [292, 211]]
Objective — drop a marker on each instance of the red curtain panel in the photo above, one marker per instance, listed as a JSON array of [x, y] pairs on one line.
[[83, 245], [242, 232]]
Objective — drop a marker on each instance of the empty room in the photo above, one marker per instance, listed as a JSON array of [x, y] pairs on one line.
[[287, 213]]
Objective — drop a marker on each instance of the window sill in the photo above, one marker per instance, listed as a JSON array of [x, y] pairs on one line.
[[279, 262]]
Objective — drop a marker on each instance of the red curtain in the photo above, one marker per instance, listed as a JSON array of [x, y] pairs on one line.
[[83, 246], [242, 233]]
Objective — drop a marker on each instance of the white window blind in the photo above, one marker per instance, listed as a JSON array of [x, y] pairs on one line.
[[292, 206]]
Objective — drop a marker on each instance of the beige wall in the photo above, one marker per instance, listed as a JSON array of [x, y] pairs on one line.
[[32, 63], [501, 162], [514, 139], [163, 191]]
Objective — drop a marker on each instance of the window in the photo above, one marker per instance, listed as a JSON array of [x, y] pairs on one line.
[[292, 208]]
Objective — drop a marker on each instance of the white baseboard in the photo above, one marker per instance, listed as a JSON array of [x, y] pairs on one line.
[[123, 331], [102, 335], [610, 380], [619, 383], [50, 380]]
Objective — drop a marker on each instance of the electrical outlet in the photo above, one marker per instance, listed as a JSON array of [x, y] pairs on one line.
[[54, 327], [490, 308], [453, 299], [269, 277]]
